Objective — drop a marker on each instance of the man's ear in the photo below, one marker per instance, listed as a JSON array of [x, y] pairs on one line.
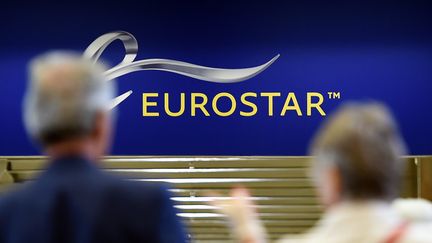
[[330, 189], [97, 125], [336, 183]]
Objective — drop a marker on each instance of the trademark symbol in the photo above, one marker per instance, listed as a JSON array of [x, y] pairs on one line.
[[334, 95]]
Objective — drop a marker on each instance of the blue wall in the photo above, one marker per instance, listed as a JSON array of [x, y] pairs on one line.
[[364, 50]]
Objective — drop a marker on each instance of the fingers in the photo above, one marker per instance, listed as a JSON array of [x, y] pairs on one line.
[[240, 191], [238, 206]]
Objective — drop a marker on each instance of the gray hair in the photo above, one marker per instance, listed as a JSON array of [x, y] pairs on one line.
[[64, 94], [362, 141]]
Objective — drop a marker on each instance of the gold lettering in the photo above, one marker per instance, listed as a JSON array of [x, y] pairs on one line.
[[248, 103], [291, 97], [182, 105], [216, 109], [201, 106], [147, 103], [270, 96], [316, 105]]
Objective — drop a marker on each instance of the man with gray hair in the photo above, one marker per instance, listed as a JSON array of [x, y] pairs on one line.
[[66, 110], [357, 169]]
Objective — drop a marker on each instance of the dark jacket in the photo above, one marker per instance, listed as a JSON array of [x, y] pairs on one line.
[[74, 201]]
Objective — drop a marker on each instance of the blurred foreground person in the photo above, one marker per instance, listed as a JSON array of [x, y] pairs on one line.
[[357, 173], [73, 201]]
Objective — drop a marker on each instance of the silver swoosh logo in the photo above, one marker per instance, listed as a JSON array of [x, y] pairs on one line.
[[129, 65]]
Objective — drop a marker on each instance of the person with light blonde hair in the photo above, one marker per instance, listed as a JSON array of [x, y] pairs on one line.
[[357, 168]]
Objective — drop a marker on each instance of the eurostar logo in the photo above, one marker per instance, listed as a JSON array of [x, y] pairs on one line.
[[129, 64]]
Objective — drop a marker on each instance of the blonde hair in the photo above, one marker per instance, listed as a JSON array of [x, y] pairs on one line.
[[363, 142]]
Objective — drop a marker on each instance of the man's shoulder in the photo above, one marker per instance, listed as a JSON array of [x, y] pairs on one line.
[[101, 186], [13, 198], [134, 190], [133, 202]]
